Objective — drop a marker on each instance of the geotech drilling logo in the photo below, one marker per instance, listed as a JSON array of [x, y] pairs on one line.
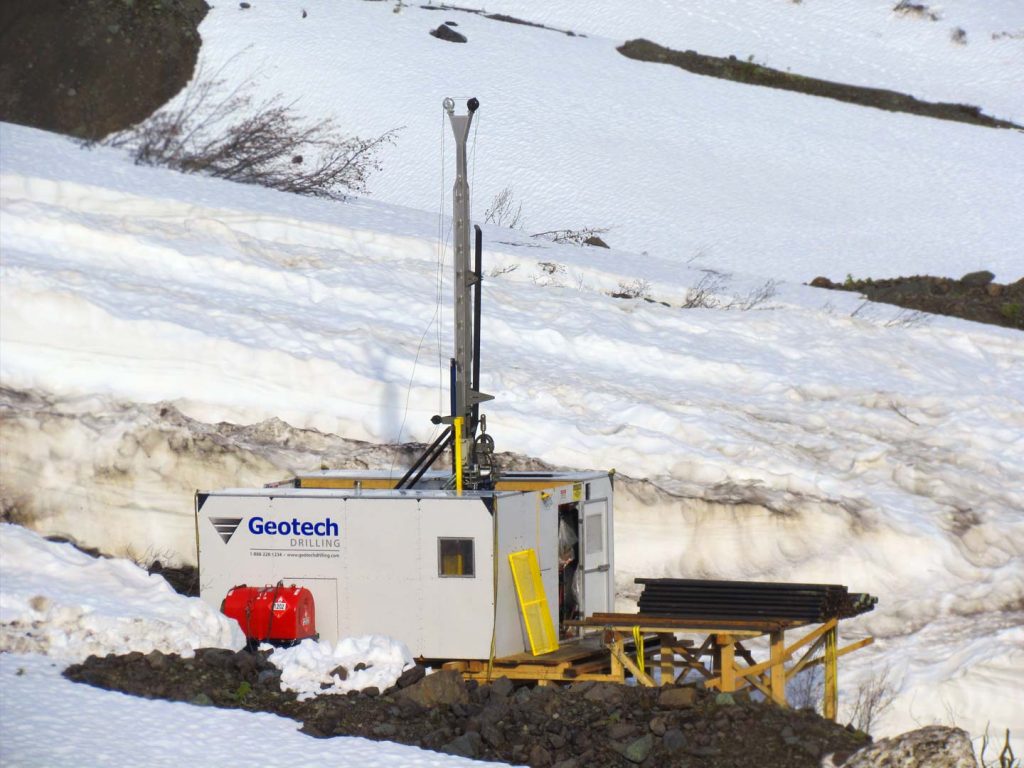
[[302, 534], [226, 526]]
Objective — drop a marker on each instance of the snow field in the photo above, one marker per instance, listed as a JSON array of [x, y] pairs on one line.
[[752, 180]]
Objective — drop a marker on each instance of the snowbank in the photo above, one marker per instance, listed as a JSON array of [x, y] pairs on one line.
[[60, 602]]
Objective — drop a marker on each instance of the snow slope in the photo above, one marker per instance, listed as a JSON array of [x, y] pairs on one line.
[[849, 41], [825, 440], [749, 179]]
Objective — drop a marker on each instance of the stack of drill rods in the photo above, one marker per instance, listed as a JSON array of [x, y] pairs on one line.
[[742, 599]]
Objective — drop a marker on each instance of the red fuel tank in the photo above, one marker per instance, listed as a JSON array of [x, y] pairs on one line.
[[274, 614]]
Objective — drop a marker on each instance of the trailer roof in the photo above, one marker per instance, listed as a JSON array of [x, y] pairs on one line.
[[567, 475], [352, 493]]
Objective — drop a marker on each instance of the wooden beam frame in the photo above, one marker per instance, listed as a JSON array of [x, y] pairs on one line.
[[723, 644]]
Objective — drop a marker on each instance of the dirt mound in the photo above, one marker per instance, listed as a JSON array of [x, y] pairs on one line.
[[973, 297], [587, 724], [93, 67]]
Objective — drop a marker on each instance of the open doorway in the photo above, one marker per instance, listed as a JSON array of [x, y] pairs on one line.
[[570, 570]]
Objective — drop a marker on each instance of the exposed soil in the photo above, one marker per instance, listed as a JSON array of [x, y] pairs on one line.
[[748, 72], [92, 67], [973, 297], [184, 579], [596, 725]]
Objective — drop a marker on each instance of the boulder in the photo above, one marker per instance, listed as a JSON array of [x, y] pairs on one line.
[[411, 676], [501, 687], [604, 693], [468, 744], [822, 282], [677, 698], [444, 32], [674, 740], [444, 687], [977, 279], [936, 746]]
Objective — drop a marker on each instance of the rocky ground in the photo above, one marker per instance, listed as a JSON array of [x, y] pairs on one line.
[[973, 297], [596, 725]]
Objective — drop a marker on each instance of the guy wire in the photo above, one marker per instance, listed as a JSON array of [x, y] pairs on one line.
[[437, 310]]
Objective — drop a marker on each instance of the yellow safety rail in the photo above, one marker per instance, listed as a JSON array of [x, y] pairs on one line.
[[457, 436], [533, 602]]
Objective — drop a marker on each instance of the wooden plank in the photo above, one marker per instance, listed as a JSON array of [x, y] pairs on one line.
[[667, 658], [619, 653], [806, 658], [811, 636], [684, 624], [777, 670], [842, 651], [727, 662], [758, 683], [743, 653], [830, 706]]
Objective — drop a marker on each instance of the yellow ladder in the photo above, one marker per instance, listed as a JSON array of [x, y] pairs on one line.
[[533, 603]]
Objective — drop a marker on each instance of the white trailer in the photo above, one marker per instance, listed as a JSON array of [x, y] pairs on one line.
[[427, 566]]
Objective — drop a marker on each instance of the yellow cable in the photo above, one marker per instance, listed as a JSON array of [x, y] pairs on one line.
[[638, 639]]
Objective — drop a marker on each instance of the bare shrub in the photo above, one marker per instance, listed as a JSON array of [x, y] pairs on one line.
[[807, 689], [908, 318], [634, 289], [702, 295], [506, 270], [871, 699], [550, 274], [910, 8], [754, 298], [573, 236], [504, 211], [1004, 759], [228, 135]]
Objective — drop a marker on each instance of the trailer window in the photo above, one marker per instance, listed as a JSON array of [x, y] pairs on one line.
[[455, 557]]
